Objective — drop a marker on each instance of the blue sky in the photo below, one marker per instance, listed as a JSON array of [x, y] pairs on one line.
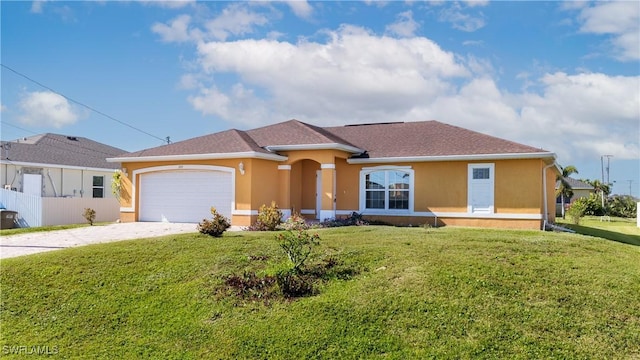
[[562, 76]]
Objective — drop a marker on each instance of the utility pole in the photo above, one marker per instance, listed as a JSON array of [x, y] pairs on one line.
[[630, 182], [603, 170]]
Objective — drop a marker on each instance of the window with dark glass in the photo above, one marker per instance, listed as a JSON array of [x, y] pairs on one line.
[[98, 186], [387, 190]]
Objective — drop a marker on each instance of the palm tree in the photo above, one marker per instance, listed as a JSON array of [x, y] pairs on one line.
[[603, 189], [564, 188]]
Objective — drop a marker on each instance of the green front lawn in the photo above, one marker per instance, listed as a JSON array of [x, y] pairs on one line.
[[15, 231], [415, 293], [613, 228]]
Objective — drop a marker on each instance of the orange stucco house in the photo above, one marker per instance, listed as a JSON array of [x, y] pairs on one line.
[[404, 173]]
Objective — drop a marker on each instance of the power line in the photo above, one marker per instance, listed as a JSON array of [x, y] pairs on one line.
[[80, 103]]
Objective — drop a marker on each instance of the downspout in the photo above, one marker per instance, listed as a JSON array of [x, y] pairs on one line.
[[55, 193], [544, 193]]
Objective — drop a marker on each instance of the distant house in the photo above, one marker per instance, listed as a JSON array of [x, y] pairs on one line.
[[57, 166], [403, 173], [579, 188]]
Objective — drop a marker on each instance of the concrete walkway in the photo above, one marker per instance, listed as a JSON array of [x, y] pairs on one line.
[[31, 243]]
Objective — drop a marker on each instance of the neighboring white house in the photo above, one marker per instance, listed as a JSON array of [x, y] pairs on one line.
[[58, 166]]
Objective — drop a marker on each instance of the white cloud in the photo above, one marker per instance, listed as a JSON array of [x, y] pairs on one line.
[[621, 20], [176, 31], [354, 72], [356, 76], [3, 108], [36, 6], [170, 4], [404, 26], [474, 3], [461, 20], [236, 19], [301, 8], [45, 108]]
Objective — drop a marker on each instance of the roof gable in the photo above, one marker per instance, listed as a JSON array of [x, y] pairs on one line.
[[294, 132], [61, 150], [229, 141]]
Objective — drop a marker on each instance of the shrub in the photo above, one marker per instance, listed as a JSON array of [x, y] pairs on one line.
[[294, 284], [577, 210], [622, 206], [269, 217], [354, 219], [297, 246], [294, 222], [593, 205], [216, 226], [251, 286], [90, 215]]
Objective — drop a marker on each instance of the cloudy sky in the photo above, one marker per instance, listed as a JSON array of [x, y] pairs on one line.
[[562, 76]]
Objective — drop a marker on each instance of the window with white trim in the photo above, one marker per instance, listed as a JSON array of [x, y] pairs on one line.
[[387, 189], [481, 188], [98, 186]]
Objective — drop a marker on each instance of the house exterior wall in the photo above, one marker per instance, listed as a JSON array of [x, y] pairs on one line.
[[58, 181], [440, 189]]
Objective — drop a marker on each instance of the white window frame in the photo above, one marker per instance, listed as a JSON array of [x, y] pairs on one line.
[[470, 186], [93, 187], [386, 211]]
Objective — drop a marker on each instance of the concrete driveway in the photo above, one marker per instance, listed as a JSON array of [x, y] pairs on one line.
[[31, 243]]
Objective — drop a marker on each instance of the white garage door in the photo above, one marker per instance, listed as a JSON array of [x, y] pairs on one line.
[[184, 196]]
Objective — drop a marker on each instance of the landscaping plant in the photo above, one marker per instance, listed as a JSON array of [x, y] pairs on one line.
[[577, 210], [90, 215], [216, 226], [269, 217]]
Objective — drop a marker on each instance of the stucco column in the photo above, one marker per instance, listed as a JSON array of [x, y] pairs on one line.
[[284, 190], [328, 208]]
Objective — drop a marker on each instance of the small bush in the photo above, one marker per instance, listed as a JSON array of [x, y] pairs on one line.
[[216, 226], [90, 215], [354, 219], [251, 286], [298, 246], [269, 217], [577, 210], [294, 222], [293, 284]]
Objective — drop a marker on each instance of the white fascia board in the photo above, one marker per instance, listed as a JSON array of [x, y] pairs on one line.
[[479, 157], [329, 146], [55, 166], [235, 155]]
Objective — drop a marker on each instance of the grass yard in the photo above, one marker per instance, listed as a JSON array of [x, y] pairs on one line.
[[616, 229], [15, 231], [417, 293]]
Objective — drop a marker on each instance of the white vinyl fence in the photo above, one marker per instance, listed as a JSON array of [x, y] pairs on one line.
[[44, 211]]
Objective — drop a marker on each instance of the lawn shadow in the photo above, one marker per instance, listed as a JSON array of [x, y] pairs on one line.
[[605, 234]]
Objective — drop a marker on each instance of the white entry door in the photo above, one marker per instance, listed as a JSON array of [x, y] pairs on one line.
[[481, 188], [32, 184]]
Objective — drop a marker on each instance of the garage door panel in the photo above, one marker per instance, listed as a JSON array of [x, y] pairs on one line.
[[185, 196]]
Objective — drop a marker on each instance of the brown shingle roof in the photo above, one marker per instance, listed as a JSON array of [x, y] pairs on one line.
[[229, 141], [294, 132], [425, 138], [383, 140]]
